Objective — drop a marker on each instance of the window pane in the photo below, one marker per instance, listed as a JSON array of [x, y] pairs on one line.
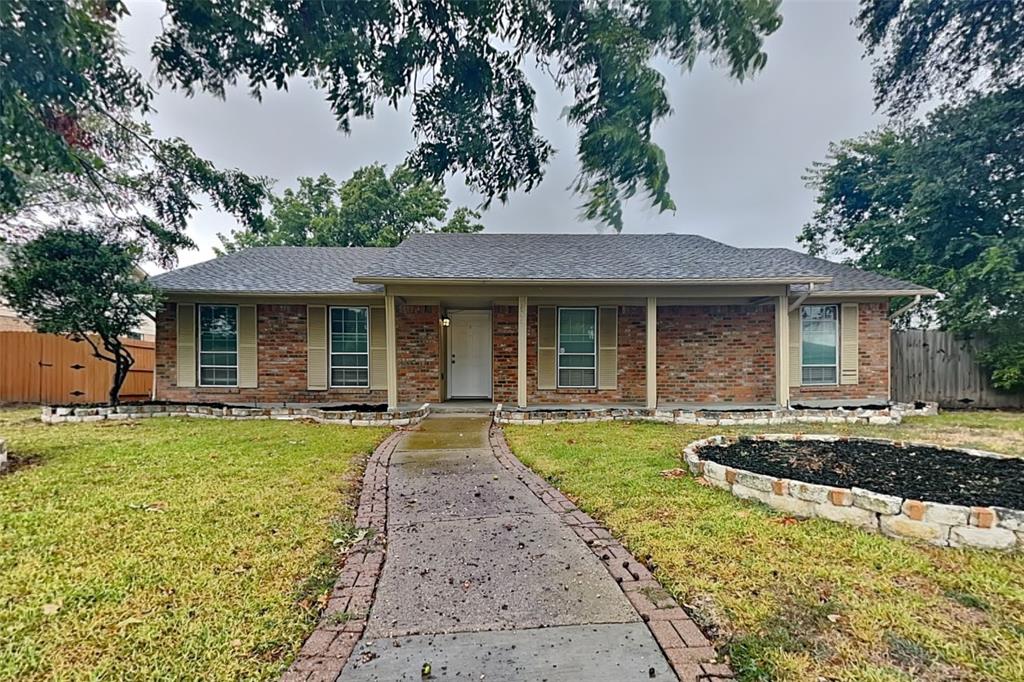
[[349, 360], [349, 377], [576, 377], [218, 376], [230, 359], [577, 330], [818, 375], [349, 330], [218, 328], [576, 361], [819, 338]]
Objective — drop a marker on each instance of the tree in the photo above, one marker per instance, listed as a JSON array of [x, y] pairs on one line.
[[939, 202], [80, 284], [372, 208], [73, 142], [952, 49], [463, 66]]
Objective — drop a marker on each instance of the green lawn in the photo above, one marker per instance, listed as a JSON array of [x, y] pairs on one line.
[[799, 600], [169, 548]]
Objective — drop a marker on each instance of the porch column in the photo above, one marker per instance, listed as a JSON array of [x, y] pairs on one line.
[[782, 350], [521, 347], [652, 352], [389, 316]]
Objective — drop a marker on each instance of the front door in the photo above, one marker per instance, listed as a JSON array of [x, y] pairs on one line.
[[469, 354]]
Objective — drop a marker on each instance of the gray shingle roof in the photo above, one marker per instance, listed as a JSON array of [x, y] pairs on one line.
[[547, 257], [563, 257], [844, 277], [277, 270]]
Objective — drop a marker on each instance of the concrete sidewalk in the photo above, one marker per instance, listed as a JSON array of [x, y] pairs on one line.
[[482, 580]]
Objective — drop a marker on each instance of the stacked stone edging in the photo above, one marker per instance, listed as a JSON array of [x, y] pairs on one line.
[[892, 414], [688, 651], [3, 455], [72, 414], [328, 647], [945, 525]]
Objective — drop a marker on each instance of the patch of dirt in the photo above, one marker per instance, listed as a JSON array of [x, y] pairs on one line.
[[922, 473]]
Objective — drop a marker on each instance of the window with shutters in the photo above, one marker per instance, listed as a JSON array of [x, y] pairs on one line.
[[350, 347], [218, 345], [577, 347], [819, 344]]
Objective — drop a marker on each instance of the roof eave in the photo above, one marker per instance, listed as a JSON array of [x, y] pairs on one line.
[[267, 293], [636, 281], [860, 293]]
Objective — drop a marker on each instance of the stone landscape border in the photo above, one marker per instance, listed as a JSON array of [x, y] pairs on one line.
[[688, 651], [892, 414], [3, 455], [945, 525], [328, 647], [74, 414]]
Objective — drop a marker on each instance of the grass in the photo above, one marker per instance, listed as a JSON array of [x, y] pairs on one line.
[[799, 600], [169, 548]]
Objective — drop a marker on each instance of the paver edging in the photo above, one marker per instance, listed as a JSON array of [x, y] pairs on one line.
[[74, 414], [891, 414], [944, 525], [687, 649], [327, 649]]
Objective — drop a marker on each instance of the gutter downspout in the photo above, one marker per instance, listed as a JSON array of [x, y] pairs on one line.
[[913, 304], [803, 297]]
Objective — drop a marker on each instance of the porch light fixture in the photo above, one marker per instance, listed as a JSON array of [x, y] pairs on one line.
[[446, 321]]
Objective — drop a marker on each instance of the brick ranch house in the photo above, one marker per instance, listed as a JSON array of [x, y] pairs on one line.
[[526, 320]]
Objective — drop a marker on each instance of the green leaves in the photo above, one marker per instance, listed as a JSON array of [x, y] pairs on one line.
[[73, 146], [463, 67], [941, 203], [937, 48], [371, 208]]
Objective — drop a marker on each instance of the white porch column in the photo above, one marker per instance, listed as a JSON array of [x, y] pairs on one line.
[[652, 352], [389, 316], [782, 350], [521, 347]]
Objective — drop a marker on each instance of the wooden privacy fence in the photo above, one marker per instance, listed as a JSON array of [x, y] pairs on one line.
[[934, 365], [44, 368]]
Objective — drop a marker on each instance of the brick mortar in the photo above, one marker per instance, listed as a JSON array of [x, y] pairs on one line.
[[327, 649], [944, 525], [687, 649]]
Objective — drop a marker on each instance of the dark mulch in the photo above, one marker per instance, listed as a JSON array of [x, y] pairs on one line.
[[920, 473], [356, 407]]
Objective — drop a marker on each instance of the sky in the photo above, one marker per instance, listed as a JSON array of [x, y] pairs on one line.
[[737, 152]]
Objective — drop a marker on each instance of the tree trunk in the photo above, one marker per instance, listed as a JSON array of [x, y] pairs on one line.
[[123, 362]]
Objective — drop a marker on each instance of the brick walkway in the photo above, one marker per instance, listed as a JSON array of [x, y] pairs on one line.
[[492, 574]]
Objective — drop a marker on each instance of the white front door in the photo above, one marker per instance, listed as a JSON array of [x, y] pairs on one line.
[[469, 354]]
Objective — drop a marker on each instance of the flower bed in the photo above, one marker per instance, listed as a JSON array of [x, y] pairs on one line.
[[327, 415], [946, 496], [889, 414]]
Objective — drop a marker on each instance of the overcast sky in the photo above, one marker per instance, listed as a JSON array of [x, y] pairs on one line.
[[736, 151]]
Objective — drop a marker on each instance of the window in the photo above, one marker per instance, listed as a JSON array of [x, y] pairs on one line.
[[577, 347], [819, 341], [350, 355], [218, 345]]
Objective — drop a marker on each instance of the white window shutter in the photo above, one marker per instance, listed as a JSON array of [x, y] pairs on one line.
[[378, 349], [795, 368], [607, 335], [185, 321], [849, 345], [547, 347], [316, 347], [248, 372]]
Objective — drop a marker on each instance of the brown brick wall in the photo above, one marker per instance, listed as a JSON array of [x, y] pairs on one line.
[[716, 354], [281, 359], [705, 354], [419, 373], [873, 365]]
